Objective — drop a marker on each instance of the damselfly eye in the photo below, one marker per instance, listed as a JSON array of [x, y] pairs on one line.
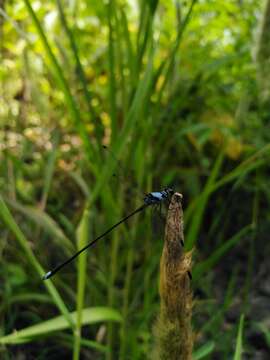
[[170, 191]]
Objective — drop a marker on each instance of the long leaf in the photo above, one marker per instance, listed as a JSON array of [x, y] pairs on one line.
[[200, 209], [203, 351], [217, 254], [49, 171], [170, 60], [112, 66], [57, 71], [42, 219], [253, 162], [83, 238], [81, 73], [142, 93], [89, 316], [239, 341], [14, 228]]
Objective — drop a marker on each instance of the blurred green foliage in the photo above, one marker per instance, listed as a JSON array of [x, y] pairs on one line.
[[173, 88]]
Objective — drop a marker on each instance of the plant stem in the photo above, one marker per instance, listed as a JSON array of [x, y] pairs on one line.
[[172, 331]]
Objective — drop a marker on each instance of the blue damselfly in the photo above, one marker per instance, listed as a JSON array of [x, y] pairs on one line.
[[150, 199]]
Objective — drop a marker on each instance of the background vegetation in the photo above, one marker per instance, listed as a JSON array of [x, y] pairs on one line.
[[179, 91]]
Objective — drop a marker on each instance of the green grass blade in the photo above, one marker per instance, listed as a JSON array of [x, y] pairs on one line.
[[130, 52], [11, 224], [252, 163], [171, 57], [59, 323], [146, 37], [112, 67], [153, 5], [86, 343], [14, 228], [214, 324], [121, 62], [57, 71], [217, 254], [265, 330], [80, 70], [141, 96], [81, 183], [197, 219], [49, 171], [142, 19], [25, 298], [203, 351], [42, 219], [83, 232], [239, 341]]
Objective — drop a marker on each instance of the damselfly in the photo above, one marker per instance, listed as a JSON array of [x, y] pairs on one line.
[[150, 199]]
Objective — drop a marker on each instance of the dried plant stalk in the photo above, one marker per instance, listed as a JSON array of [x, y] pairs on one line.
[[172, 330]]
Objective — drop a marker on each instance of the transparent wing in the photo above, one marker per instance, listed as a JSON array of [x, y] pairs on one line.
[[124, 176]]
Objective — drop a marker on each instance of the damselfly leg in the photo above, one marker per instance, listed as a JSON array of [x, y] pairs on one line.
[[124, 176]]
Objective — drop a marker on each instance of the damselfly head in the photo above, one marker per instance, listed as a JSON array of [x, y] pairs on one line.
[[169, 191]]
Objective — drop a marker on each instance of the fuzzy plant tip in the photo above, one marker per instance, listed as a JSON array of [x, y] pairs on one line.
[[172, 330]]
